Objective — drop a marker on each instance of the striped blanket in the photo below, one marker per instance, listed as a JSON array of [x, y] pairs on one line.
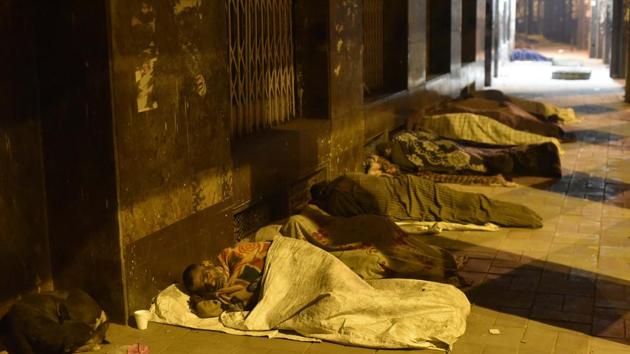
[[478, 129]]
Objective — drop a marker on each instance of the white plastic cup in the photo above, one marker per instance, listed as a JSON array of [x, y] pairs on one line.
[[142, 318]]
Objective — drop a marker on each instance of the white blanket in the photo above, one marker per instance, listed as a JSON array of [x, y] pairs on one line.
[[171, 307], [309, 291]]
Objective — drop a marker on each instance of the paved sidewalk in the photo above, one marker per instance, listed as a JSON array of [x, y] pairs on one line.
[[562, 289]]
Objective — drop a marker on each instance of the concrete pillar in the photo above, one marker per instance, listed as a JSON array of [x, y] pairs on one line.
[[346, 85], [618, 55], [134, 102], [626, 17], [416, 72]]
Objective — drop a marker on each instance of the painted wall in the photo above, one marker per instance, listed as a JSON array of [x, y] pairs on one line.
[[24, 257], [346, 86], [171, 134], [140, 173]]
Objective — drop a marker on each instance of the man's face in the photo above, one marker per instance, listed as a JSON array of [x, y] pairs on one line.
[[209, 279]]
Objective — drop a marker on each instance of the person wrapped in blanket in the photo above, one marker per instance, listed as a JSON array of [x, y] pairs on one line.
[[421, 151], [409, 197], [373, 246], [506, 112], [370, 245], [541, 110], [232, 283]]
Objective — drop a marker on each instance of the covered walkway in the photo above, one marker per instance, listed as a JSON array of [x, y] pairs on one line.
[[564, 288]]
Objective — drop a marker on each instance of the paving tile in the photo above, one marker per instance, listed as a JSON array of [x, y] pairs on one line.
[[407, 351], [510, 337], [570, 343], [534, 351], [611, 328], [481, 316], [538, 340], [555, 315], [578, 304], [467, 348], [512, 317], [494, 349], [326, 348], [605, 346], [474, 278], [548, 301], [525, 281], [477, 265]]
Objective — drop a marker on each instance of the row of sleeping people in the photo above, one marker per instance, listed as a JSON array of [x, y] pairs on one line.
[[479, 138], [358, 218], [361, 218], [353, 217], [485, 136]]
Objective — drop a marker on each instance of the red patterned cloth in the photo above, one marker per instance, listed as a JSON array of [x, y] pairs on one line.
[[243, 267]]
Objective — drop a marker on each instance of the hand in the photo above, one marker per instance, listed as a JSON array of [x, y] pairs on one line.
[[208, 308]]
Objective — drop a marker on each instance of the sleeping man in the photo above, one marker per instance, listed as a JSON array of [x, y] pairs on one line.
[[408, 197], [309, 291], [231, 284]]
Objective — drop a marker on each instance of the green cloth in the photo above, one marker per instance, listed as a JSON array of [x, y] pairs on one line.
[[409, 197]]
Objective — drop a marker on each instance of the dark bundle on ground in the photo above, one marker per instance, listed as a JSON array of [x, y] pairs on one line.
[[527, 55]]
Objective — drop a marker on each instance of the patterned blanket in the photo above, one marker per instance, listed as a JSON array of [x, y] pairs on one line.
[[544, 110], [479, 129], [376, 165], [422, 151], [242, 267], [504, 112], [373, 246]]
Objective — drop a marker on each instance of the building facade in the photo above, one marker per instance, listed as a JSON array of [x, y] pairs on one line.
[[140, 136]]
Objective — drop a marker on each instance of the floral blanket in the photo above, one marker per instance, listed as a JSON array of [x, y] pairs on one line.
[[422, 151], [477, 129], [373, 246], [242, 266]]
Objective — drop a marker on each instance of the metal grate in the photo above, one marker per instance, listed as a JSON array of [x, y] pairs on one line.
[[261, 64], [251, 219], [373, 45]]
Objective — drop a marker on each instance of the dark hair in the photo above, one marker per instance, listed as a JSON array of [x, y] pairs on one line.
[[317, 190], [187, 276]]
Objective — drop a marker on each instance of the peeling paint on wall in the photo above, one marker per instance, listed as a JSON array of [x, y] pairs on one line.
[[143, 32]]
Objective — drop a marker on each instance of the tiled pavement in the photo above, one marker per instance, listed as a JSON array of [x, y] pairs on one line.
[[564, 288]]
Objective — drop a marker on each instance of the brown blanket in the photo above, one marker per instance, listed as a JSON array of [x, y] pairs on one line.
[[504, 112]]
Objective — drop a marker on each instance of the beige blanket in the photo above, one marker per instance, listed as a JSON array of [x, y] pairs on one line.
[[479, 129], [309, 291]]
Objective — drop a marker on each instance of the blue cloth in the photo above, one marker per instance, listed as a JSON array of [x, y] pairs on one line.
[[528, 55]]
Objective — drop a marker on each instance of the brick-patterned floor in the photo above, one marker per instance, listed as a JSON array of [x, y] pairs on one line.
[[562, 289]]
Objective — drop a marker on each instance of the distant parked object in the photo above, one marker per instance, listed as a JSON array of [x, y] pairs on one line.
[[527, 55]]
